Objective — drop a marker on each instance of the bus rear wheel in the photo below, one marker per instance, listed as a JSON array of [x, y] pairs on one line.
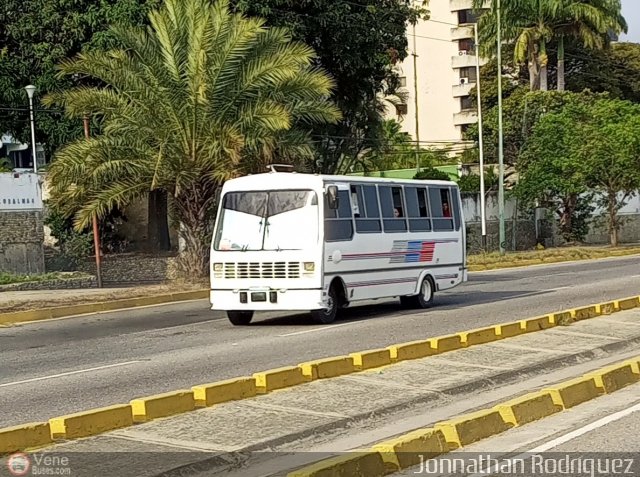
[[424, 299], [240, 318], [327, 315]]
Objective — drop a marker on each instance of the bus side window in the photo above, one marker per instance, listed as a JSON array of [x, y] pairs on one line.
[[369, 219], [417, 209], [339, 226], [455, 205], [392, 209], [440, 202]]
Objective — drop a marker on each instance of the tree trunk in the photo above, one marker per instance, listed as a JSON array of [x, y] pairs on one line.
[[194, 209], [158, 223], [534, 68], [561, 80], [566, 217], [543, 62], [613, 219]]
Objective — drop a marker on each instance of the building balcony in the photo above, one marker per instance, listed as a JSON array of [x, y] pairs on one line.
[[457, 5], [469, 116], [462, 32], [465, 60], [461, 90]]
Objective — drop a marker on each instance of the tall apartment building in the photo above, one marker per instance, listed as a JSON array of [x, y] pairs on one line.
[[446, 74]]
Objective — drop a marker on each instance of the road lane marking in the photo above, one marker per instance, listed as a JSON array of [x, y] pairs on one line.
[[563, 439], [322, 328], [41, 378]]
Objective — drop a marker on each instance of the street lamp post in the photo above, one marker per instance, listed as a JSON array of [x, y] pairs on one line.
[[30, 91], [415, 93], [500, 136], [480, 143]]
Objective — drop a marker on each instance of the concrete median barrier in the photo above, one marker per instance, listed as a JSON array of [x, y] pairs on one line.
[[24, 437], [375, 358], [223, 391], [162, 405], [444, 344], [479, 336], [611, 379], [470, 428], [627, 303], [509, 330], [89, 423], [528, 408], [607, 308], [279, 378], [537, 324], [327, 368], [408, 450], [354, 464], [574, 392], [412, 350], [585, 312]]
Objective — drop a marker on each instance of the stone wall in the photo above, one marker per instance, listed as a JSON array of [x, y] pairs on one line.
[[61, 284], [21, 242], [130, 268]]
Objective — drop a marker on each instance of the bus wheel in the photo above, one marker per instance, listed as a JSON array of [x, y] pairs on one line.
[[424, 299], [240, 318], [327, 315]]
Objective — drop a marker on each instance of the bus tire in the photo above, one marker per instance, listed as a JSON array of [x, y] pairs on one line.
[[424, 298], [240, 318], [327, 315]]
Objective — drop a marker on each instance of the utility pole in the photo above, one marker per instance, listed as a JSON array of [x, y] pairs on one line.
[[96, 232], [500, 136], [480, 143], [415, 93]]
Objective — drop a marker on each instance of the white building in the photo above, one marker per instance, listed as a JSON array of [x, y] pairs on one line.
[[446, 73]]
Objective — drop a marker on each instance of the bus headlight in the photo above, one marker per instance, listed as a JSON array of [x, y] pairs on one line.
[[217, 267], [309, 266]]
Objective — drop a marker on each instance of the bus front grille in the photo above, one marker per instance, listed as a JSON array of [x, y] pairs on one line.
[[262, 269]]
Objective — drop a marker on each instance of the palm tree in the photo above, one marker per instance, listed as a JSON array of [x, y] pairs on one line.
[[525, 24], [589, 22], [200, 96], [532, 24]]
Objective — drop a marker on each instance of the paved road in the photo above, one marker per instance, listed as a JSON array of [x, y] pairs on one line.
[[57, 367]]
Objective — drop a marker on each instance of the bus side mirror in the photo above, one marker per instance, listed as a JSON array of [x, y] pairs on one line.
[[332, 197]]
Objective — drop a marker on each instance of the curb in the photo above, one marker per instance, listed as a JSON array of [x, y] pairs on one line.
[[407, 451], [97, 421], [114, 305], [538, 263]]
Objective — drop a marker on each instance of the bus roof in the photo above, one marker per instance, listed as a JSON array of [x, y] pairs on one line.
[[287, 180]]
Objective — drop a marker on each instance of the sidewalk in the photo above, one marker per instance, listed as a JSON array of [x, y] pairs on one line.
[[11, 301], [347, 412]]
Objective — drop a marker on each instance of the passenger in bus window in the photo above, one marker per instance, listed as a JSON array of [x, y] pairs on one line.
[[396, 212], [446, 212]]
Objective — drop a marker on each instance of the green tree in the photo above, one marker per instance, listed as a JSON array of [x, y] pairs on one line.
[[358, 42], [552, 172], [38, 34], [610, 146], [200, 96], [532, 25], [586, 146]]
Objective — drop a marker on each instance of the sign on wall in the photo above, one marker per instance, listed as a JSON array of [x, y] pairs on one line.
[[20, 192]]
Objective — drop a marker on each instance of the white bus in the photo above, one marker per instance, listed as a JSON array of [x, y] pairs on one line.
[[289, 241]]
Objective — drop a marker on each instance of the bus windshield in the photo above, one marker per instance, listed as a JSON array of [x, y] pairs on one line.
[[268, 220]]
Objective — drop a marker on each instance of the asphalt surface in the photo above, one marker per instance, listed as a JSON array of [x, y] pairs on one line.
[[63, 366]]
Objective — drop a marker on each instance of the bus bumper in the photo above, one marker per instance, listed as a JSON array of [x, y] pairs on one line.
[[266, 299]]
